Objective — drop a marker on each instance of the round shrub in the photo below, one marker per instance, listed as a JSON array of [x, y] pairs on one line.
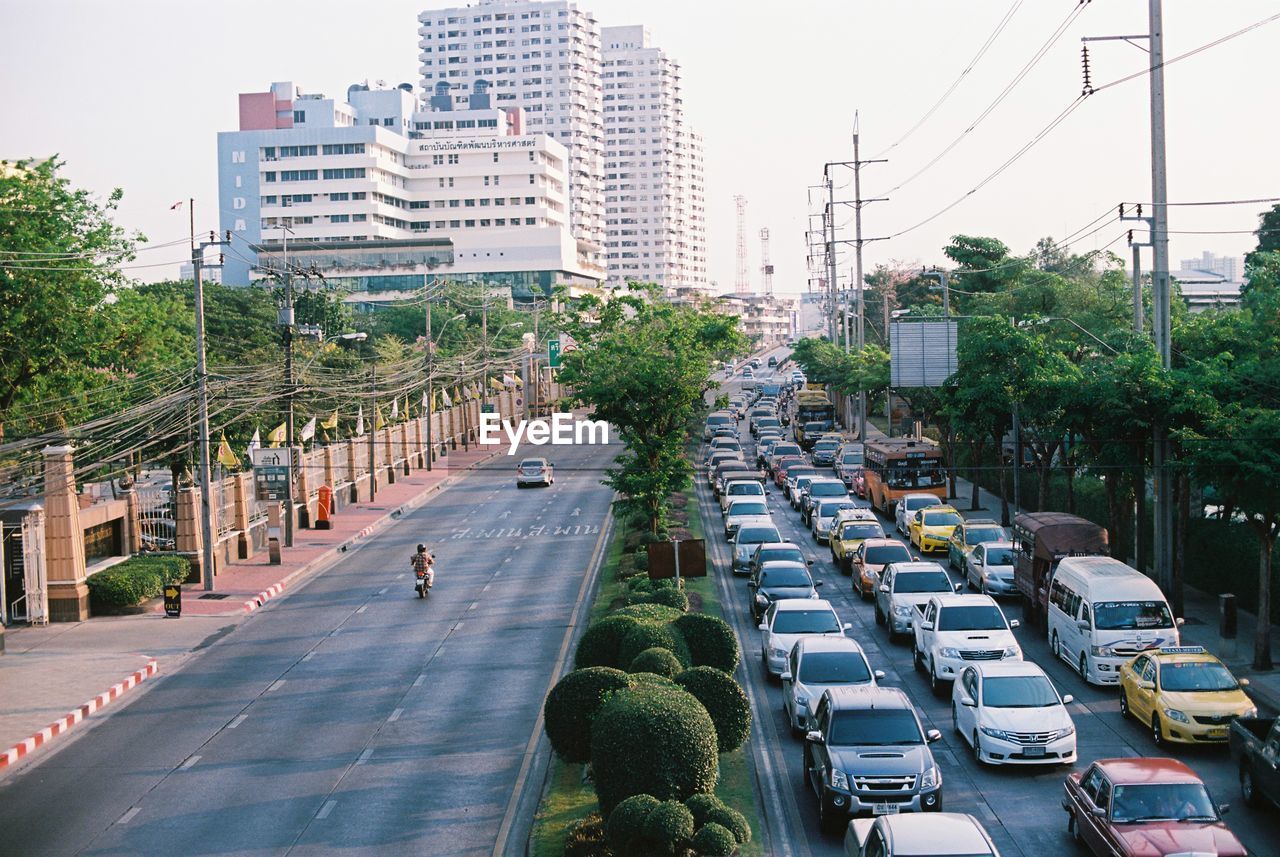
[[647, 679], [586, 838], [639, 586], [571, 705], [599, 644], [658, 661], [724, 700], [642, 559], [652, 740], [711, 641], [626, 822], [649, 612], [733, 821], [669, 825], [712, 840], [701, 805], [671, 598], [648, 635]]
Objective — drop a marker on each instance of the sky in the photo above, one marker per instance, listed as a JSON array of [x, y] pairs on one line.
[[132, 95]]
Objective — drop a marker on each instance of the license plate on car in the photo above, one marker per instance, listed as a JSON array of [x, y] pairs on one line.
[[1217, 733], [1033, 751], [884, 809]]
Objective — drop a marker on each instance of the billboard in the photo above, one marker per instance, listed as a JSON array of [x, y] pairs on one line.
[[922, 353]]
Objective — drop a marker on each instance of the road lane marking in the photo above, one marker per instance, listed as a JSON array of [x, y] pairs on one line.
[[191, 760], [128, 816], [383, 590], [308, 656], [395, 715], [398, 576], [326, 809], [336, 632], [473, 606], [364, 757], [486, 587], [362, 609], [276, 685], [417, 682], [240, 718]]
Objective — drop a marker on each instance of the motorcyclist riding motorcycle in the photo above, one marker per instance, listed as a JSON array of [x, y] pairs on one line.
[[423, 571]]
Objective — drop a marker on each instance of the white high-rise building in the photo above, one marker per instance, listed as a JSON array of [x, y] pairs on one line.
[[542, 56], [655, 226]]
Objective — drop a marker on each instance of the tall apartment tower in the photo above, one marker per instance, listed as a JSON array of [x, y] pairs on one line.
[[655, 225], [542, 56]]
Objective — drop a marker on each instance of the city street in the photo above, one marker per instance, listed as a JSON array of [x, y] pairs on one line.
[[349, 715], [1019, 807]]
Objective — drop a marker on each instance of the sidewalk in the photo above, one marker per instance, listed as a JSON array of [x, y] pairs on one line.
[[49, 674]]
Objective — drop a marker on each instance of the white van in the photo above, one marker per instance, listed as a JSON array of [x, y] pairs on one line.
[[1102, 613]]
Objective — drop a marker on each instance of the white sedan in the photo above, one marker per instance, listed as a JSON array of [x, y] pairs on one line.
[[1011, 714], [816, 664], [789, 619], [909, 505]]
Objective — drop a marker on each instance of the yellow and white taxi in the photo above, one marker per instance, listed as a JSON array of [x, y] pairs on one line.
[[1183, 694], [931, 528]]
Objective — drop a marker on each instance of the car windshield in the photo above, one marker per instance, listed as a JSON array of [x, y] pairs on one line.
[[941, 519], [914, 504], [1018, 691], [825, 445], [751, 489], [1130, 615], [1198, 676], [805, 622], [532, 463], [851, 458], [774, 577], [756, 535], [869, 530], [1000, 556], [834, 668], [885, 554], [922, 581], [748, 508], [978, 535], [719, 419], [802, 479], [979, 617], [789, 554], [1162, 802], [786, 449], [767, 421], [874, 726], [827, 489], [829, 509]]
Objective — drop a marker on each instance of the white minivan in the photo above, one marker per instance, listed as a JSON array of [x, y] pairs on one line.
[[1102, 613]]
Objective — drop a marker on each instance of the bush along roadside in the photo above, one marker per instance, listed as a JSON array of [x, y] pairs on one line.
[[134, 581], [649, 710]]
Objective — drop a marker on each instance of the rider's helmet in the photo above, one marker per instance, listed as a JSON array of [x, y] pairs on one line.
[[422, 548]]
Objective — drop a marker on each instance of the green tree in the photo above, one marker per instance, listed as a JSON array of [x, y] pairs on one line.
[[1268, 237]]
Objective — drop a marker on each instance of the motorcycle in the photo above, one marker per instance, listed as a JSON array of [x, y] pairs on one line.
[[425, 579]]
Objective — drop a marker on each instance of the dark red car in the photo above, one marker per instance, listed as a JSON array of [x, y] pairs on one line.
[[783, 464], [1146, 808]]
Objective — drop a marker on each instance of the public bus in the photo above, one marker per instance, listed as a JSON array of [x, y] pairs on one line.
[[812, 406], [898, 466]]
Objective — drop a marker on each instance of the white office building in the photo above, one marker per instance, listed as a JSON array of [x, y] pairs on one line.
[[384, 193], [539, 55], [655, 226]]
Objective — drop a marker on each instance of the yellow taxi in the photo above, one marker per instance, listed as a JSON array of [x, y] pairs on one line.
[[851, 529], [967, 535], [930, 529], [1183, 694]]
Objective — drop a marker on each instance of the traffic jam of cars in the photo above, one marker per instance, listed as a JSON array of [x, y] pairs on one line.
[[942, 586]]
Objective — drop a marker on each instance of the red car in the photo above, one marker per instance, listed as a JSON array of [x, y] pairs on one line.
[[785, 463], [1146, 808]]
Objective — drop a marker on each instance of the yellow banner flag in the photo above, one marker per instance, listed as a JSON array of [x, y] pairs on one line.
[[277, 435], [225, 456], [378, 422], [496, 384], [331, 422]]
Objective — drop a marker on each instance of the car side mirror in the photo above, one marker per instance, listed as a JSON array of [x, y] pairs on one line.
[[815, 736], [1068, 699], [884, 589], [926, 626], [879, 675], [808, 562], [1015, 623], [751, 584], [1224, 808], [817, 583], [959, 587], [1244, 682], [1099, 811], [1180, 621], [967, 702], [1146, 685], [846, 626], [763, 627], [1082, 624], [786, 676], [933, 735]]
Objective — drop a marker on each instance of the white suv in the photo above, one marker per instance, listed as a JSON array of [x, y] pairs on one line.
[[952, 631]]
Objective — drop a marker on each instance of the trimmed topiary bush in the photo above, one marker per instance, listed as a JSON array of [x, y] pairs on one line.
[[645, 679], [135, 580], [668, 827], [647, 635], [671, 597], [710, 640], [658, 661], [599, 644], [586, 838], [712, 840], [649, 612], [571, 705], [626, 822], [724, 700], [701, 805], [733, 821], [652, 740]]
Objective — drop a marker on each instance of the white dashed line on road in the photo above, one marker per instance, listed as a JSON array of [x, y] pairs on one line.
[[383, 590], [326, 809], [417, 682], [363, 608], [237, 721], [473, 606], [395, 715], [128, 816], [191, 760], [364, 757], [276, 685]]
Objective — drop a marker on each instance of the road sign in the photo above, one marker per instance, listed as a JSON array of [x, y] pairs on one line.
[[553, 353], [271, 473], [173, 600], [687, 558]]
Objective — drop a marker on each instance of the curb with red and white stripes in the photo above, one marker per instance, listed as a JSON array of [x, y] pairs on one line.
[[62, 724], [264, 596]]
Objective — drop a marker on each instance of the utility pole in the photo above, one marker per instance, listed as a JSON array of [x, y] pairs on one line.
[[202, 417], [1138, 322], [286, 320], [373, 430], [431, 393]]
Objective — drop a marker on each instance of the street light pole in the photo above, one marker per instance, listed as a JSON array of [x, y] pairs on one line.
[[286, 320], [431, 393], [202, 400]]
